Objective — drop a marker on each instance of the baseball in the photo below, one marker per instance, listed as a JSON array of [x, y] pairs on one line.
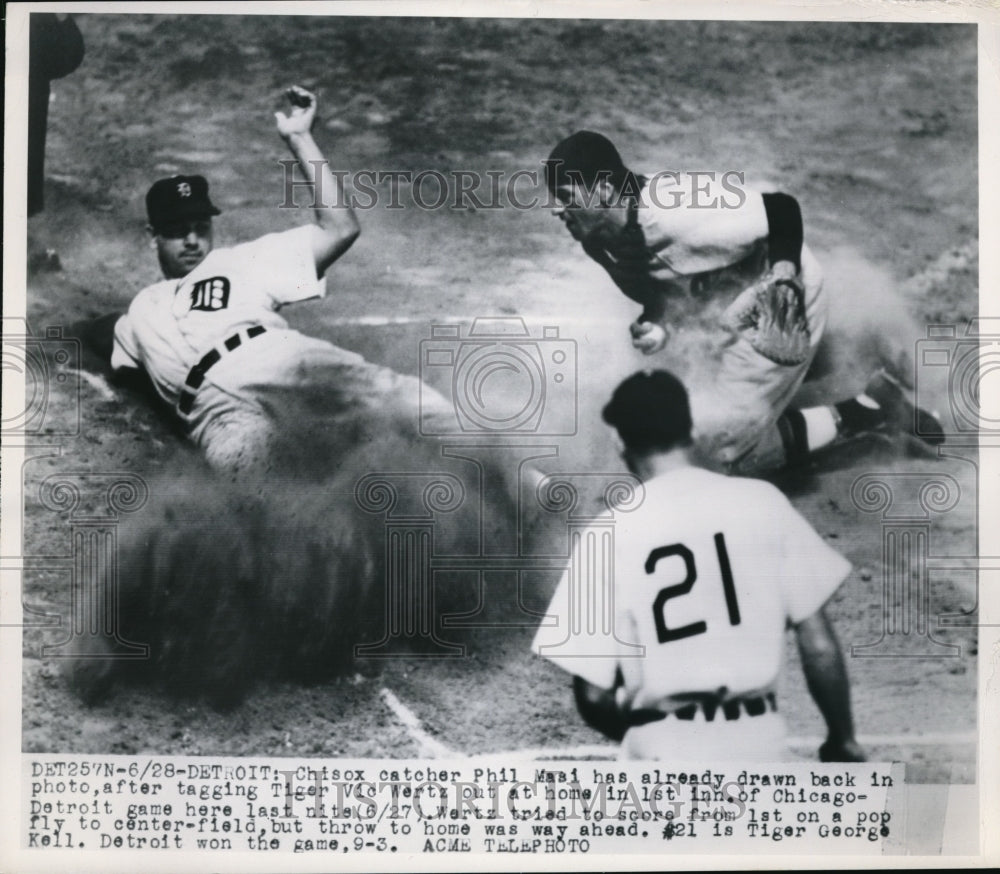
[[648, 337]]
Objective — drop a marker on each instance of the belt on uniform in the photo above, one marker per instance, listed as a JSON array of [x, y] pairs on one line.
[[196, 376], [730, 709]]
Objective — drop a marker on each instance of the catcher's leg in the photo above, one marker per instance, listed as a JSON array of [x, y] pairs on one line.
[[882, 408], [735, 421]]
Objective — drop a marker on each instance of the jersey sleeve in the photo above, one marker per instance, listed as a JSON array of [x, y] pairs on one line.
[[125, 352], [572, 637], [810, 570], [699, 222], [283, 265]]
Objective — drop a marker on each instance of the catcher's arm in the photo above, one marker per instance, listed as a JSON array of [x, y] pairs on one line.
[[826, 677], [334, 216], [784, 255], [784, 229]]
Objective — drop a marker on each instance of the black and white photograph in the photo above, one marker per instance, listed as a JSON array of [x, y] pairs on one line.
[[540, 436]]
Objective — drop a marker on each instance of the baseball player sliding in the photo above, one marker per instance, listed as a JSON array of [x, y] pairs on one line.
[[682, 240], [707, 574], [210, 336]]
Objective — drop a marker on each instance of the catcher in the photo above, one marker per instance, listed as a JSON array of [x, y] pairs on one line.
[[681, 241]]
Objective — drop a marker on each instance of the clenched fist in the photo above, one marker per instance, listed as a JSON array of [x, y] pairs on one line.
[[303, 113]]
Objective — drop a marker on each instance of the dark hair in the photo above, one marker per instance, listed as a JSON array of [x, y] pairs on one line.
[[650, 412], [586, 158]]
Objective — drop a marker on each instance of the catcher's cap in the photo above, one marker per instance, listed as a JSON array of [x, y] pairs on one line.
[[650, 411], [179, 197], [584, 157]]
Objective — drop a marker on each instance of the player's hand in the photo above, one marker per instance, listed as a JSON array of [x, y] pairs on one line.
[[648, 337], [303, 112], [848, 750]]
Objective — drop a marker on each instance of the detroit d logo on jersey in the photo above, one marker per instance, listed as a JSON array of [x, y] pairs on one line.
[[210, 294]]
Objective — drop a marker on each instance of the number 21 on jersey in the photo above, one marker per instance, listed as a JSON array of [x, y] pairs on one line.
[[664, 633]]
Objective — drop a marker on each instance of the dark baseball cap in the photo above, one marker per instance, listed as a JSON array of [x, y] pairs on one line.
[[584, 157], [179, 197], [650, 411]]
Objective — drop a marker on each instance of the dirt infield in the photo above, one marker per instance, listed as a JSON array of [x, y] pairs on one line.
[[872, 126]]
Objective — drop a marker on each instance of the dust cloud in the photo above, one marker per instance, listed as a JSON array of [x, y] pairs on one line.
[[871, 324], [231, 577]]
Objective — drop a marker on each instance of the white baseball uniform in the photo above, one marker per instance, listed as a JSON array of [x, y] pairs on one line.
[[222, 305], [706, 240], [706, 576]]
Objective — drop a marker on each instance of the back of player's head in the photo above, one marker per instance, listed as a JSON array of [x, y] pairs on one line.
[[179, 197], [585, 158], [650, 412]]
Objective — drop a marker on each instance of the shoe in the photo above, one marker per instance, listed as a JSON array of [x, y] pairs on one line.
[[901, 415]]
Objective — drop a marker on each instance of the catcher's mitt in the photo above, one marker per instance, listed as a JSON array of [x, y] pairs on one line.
[[771, 314]]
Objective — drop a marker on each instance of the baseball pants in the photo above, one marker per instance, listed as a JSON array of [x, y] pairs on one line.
[[286, 391]]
